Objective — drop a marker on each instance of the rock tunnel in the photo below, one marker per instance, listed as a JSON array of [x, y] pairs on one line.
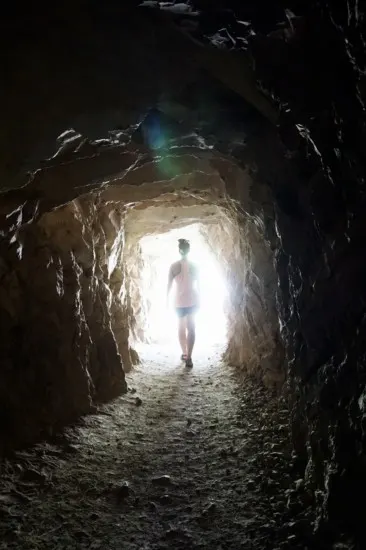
[[130, 121]]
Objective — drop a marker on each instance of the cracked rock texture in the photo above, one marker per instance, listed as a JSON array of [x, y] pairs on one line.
[[77, 274], [315, 67], [181, 115]]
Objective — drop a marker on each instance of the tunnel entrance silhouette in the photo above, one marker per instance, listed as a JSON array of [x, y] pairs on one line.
[[158, 253]]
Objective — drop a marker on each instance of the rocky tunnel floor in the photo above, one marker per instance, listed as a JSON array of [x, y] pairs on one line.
[[191, 459]]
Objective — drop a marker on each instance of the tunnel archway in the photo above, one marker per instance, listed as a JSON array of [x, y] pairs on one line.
[[312, 218], [120, 215], [108, 194]]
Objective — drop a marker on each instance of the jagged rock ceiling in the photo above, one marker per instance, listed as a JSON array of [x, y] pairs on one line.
[[124, 89], [101, 71]]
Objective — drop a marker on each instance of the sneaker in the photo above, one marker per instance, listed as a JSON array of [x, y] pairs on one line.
[[189, 363]]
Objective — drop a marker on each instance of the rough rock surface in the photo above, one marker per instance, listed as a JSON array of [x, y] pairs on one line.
[[84, 256], [57, 349], [204, 462], [310, 63], [310, 59], [315, 68]]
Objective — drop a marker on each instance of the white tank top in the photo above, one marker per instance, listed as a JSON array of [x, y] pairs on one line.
[[186, 294]]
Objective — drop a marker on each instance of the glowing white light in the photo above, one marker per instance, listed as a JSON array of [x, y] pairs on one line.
[[159, 252]]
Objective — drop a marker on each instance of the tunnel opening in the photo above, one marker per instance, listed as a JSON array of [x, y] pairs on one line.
[[92, 252], [66, 318], [158, 252], [238, 309], [151, 238]]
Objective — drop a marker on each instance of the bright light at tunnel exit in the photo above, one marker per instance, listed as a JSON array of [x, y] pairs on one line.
[[159, 252]]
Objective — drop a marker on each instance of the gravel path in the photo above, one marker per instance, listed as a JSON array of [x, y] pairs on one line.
[[187, 459]]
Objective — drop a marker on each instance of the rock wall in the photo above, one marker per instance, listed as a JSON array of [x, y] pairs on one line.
[[314, 67], [58, 347], [87, 237], [253, 338], [238, 242], [45, 341], [94, 232], [310, 60]]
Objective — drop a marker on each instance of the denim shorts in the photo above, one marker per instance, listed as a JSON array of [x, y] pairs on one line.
[[183, 311]]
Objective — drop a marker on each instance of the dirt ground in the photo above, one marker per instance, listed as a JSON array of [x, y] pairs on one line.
[[187, 459]]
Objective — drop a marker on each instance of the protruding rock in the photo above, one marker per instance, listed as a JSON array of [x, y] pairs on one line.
[[162, 481], [122, 490]]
